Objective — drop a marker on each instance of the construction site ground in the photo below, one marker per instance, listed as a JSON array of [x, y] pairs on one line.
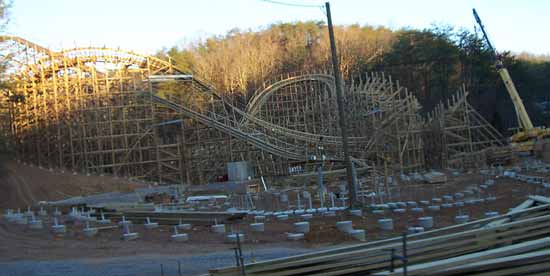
[[23, 250]]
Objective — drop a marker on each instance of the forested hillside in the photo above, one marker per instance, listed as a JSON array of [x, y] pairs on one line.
[[433, 63]]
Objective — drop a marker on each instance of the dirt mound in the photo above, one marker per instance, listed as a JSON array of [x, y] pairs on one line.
[[23, 184]]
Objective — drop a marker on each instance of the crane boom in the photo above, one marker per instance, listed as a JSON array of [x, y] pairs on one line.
[[523, 118]]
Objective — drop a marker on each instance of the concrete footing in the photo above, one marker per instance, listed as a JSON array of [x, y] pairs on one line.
[[282, 217], [306, 216], [130, 236], [179, 237], [184, 226], [385, 224], [414, 230], [491, 214], [232, 238], [257, 227], [89, 231], [399, 211], [344, 226], [150, 225], [356, 213], [295, 236], [462, 219], [358, 234], [301, 227], [35, 223], [426, 222]]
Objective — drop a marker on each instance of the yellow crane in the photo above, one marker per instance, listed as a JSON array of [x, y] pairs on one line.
[[524, 140]]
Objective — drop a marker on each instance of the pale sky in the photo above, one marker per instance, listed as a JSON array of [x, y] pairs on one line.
[[147, 26]]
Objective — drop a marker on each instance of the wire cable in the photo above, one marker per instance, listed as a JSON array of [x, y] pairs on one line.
[[292, 4]]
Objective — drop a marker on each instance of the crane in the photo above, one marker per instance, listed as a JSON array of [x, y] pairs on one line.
[[524, 139]]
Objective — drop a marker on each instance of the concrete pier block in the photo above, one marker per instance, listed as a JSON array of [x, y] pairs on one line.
[[344, 226], [124, 222], [130, 236], [462, 219], [58, 228], [295, 236], [179, 237], [257, 227], [311, 210], [447, 198], [35, 223], [184, 226], [491, 214], [330, 214], [103, 220], [358, 234], [282, 217], [89, 231], [378, 212], [385, 224], [301, 227], [306, 216], [232, 238], [56, 213], [42, 212], [356, 213], [414, 230], [399, 211], [218, 228], [150, 225], [426, 222], [299, 211], [21, 219]]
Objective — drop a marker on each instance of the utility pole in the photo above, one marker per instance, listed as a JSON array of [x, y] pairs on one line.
[[341, 114]]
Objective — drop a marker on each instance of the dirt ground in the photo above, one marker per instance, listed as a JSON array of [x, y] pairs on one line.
[[22, 184]]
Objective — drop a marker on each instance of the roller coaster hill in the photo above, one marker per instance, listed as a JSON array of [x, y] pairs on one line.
[[110, 111]]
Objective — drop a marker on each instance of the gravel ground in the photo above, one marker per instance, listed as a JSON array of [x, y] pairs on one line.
[[140, 265]]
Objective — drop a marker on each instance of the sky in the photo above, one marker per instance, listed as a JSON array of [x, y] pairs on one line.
[[147, 26]]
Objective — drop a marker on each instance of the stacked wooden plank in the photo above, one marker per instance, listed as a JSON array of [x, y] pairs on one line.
[[174, 217], [518, 237]]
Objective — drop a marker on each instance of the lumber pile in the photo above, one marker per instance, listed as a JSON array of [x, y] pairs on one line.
[[174, 217], [517, 241]]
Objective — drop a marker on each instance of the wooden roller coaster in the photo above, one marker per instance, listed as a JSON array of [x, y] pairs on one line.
[[109, 111]]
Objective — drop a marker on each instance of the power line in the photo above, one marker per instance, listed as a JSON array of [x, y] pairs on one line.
[[292, 4]]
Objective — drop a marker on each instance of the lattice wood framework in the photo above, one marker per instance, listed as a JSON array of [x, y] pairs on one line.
[[458, 135], [108, 111]]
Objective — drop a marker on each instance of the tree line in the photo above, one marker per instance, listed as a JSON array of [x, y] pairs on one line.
[[432, 63]]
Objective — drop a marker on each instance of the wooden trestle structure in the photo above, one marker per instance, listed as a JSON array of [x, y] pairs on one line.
[[109, 111]]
